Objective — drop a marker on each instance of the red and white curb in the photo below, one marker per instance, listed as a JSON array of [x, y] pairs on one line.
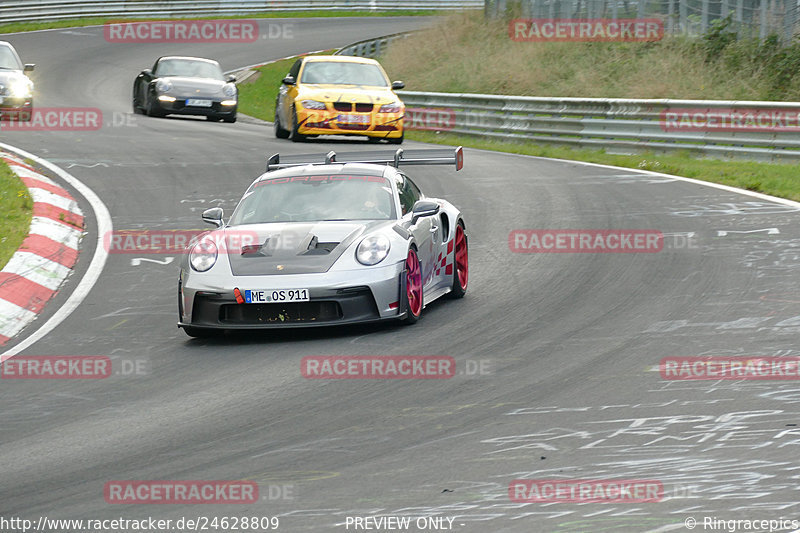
[[35, 272]]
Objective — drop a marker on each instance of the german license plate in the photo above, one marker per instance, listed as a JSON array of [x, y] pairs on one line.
[[194, 102], [353, 119], [272, 296]]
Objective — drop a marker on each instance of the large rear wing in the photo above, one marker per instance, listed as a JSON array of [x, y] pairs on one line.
[[431, 156]]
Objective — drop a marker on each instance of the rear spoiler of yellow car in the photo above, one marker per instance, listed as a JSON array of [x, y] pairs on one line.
[[432, 156]]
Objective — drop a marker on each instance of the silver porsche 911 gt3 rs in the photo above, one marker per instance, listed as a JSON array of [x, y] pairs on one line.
[[345, 240]]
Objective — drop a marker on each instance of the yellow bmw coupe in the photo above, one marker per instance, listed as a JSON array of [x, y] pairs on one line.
[[339, 95]]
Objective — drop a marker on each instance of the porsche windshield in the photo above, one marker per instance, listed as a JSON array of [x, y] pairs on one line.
[[188, 68], [340, 73], [316, 198]]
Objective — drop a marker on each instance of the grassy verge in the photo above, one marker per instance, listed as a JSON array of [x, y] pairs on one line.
[[16, 207], [466, 53], [769, 178], [14, 27]]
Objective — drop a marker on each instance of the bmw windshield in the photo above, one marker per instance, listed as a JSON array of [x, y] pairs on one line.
[[340, 73]]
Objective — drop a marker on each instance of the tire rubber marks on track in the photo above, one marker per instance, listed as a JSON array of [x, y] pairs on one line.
[[34, 274], [743, 208]]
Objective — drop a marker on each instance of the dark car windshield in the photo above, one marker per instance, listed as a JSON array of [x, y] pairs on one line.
[[316, 198], [338, 73], [188, 68], [8, 59]]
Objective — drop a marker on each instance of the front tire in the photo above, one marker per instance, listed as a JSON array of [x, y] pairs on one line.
[[295, 134], [460, 263], [137, 109], [230, 119], [154, 110], [397, 140], [280, 131], [412, 298]]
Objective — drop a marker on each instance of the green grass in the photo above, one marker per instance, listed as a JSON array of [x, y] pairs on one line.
[[464, 52], [16, 207], [97, 21], [769, 178]]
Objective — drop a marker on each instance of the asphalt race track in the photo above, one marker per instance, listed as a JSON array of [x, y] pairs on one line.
[[557, 354]]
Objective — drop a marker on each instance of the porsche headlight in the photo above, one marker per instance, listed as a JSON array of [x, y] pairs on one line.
[[229, 90], [203, 255], [373, 250], [163, 86], [313, 104], [20, 89]]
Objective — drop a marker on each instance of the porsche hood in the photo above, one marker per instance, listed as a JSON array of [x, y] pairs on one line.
[[293, 247], [194, 86]]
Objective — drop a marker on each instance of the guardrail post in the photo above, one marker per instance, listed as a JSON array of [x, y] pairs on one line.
[[684, 16], [762, 31], [704, 17]]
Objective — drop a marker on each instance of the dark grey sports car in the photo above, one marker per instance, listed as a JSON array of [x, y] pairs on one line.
[[185, 86], [16, 89]]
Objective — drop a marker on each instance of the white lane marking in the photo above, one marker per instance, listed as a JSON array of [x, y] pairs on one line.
[[725, 233], [136, 261], [762, 196], [37, 269], [104, 226]]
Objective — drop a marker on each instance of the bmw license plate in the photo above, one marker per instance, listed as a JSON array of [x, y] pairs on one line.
[[198, 103], [282, 295], [353, 119]]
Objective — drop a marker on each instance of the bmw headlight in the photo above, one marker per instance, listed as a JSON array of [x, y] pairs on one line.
[[20, 88], [203, 255], [313, 104], [163, 86], [394, 107], [373, 250], [229, 90]]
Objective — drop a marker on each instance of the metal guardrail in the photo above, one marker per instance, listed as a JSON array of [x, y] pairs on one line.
[[50, 10], [753, 130], [372, 47]]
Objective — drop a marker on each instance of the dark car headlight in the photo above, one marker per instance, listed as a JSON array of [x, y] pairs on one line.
[[163, 86]]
